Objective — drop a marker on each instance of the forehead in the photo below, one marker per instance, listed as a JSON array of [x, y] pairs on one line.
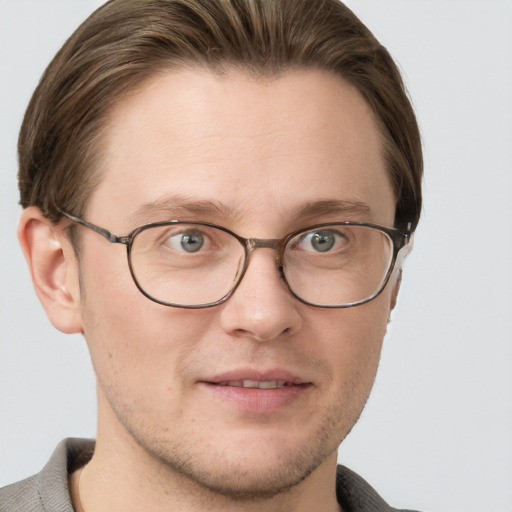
[[255, 147]]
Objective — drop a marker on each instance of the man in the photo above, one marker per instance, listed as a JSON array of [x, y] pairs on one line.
[[262, 165]]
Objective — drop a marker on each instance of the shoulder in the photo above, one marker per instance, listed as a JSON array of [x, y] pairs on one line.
[[48, 490], [356, 495], [21, 496]]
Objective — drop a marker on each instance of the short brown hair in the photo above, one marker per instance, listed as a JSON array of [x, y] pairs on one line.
[[125, 42]]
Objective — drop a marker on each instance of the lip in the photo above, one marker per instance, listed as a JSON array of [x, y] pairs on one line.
[[227, 387]]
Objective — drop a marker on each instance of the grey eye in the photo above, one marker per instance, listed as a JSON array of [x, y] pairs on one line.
[[192, 242], [322, 241], [189, 241]]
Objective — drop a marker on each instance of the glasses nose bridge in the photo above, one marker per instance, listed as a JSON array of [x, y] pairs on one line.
[[265, 243], [261, 243]]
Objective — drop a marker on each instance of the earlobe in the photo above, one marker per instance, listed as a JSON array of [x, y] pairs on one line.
[[53, 268]]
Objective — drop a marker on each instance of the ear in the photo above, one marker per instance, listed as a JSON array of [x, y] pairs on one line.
[[404, 252], [53, 267], [396, 289]]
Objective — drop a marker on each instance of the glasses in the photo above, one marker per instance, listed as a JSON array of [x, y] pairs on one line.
[[200, 265]]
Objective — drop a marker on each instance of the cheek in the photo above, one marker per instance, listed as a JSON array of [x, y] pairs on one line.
[[135, 343], [356, 336]]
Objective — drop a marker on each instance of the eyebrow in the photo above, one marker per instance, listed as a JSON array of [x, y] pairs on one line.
[[177, 207], [330, 207]]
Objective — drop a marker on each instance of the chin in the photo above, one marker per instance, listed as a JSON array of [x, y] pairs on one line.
[[247, 480], [248, 468]]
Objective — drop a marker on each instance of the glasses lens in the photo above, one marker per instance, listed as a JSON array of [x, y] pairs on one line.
[[338, 265], [186, 264]]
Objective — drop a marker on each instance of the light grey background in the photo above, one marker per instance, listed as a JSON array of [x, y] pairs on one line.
[[437, 431]]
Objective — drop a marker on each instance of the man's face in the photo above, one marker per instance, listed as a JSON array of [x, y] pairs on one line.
[[249, 155]]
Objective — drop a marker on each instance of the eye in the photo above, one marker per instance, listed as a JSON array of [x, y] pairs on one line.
[[189, 241], [323, 240]]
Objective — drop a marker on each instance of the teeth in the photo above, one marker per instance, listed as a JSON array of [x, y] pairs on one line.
[[269, 384], [264, 384], [251, 384]]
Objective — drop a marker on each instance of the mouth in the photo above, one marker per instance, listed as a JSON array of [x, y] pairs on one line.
[[257, 392], [260, 384]]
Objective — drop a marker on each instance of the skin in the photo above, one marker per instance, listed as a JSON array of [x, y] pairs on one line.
[[262, 150]]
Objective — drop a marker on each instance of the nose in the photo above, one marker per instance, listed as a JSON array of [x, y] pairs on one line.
[[262, 307]]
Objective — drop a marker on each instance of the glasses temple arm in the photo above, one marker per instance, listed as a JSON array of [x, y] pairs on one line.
[[114, 239]]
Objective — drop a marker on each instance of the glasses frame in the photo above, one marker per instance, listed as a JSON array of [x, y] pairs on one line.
[[398, 238]]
